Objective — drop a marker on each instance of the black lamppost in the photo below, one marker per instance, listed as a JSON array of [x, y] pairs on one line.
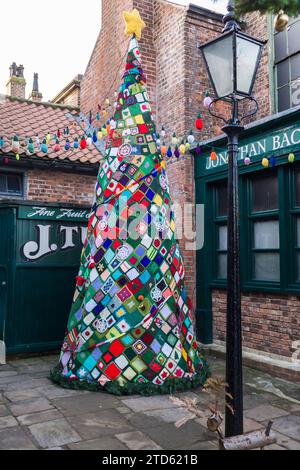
[[232, 61]]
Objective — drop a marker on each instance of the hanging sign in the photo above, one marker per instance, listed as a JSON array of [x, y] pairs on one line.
[[51, 235], [53, 213]]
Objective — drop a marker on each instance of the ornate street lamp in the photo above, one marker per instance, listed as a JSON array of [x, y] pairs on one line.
[[232, 60]]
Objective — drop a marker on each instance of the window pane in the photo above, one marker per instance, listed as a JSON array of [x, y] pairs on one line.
[[222, 200], [295, 93], [283, 73], [222, 266], [3, 187], [297, 184], [265, 193], [280, 41], [295, 67], [298, 257], [266, 234], [266, 267], [284, 98], [223, 237], [13, 184], [293, 37]]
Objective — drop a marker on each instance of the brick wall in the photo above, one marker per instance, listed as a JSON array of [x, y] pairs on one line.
[[54, 186], [271, 322], [257, 26], [107, 62]]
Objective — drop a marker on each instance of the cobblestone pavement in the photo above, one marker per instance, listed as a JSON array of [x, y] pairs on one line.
[[36, 414]]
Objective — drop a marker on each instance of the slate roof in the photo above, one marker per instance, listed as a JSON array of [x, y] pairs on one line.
[[26, 118]]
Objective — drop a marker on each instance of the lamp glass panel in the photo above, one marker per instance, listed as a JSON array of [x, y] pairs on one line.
[[219, 58], [247, 55]]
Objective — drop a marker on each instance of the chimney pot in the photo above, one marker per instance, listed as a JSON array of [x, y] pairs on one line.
[[35, 94], [16, 84]]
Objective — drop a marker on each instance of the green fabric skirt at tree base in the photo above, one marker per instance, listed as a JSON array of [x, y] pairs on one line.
[[132, 388]]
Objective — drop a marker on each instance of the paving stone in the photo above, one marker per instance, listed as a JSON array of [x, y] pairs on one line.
[[148, 403], [54, 433], [7, 373], [201, 445], [274, 447], [15, 439], [5, 367], [50, 358], [287, 442], [55, 448], [24, 362], [141, 420], [3, 410], [27, 383], [41, 417], [123, 410], [265, 412], [30, 406], [54, 391], [104, 443], [168, 415], [136, 440], [85, 403], [8, 422], [288, 425], [21, 395], [100, 423], [15, 378], [286, 405], [251, 400], [171, 438], [251, 425], [34, 368]]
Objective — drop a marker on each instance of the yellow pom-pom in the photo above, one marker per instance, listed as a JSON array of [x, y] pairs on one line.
[[291, 157], [182, 149], [265, 162], [17, 156], [134, 23]]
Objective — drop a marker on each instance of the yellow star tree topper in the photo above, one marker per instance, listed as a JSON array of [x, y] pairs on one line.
[[134, 23]]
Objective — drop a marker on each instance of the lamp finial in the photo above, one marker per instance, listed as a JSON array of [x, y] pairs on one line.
[[229, 19]]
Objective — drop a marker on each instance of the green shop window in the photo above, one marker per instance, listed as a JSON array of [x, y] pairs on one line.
[[269, 226], [295, 215], [263, 224], [220, 221]]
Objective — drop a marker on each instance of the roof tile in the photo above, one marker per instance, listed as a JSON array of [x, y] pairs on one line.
[[29, 119]]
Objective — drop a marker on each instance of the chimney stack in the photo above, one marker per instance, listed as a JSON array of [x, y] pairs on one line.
[[16, 84], [35, 94]]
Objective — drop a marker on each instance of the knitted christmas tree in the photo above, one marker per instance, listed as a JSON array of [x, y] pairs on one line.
[[130, 327]]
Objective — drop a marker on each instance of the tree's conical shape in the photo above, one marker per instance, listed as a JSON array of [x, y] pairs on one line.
[[130, 327]]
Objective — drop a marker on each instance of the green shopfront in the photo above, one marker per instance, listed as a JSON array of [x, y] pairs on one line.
[[39, 258], [270, 236]]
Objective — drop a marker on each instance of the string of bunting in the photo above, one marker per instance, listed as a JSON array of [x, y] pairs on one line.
[[170, 145]]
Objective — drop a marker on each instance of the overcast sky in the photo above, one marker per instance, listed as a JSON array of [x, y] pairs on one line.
[[54, 39]]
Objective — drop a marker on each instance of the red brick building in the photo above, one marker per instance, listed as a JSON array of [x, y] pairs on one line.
[[177, 82]]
